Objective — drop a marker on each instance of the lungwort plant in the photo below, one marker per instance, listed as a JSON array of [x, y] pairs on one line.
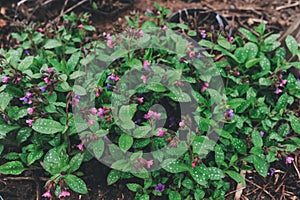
[[151, 104]]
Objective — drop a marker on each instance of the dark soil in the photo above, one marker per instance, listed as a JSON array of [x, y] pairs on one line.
[[277, 14]]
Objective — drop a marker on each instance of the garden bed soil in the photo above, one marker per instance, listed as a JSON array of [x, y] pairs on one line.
[[277, 14]]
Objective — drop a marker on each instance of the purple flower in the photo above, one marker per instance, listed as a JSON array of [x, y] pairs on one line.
[[5, 79], [108, 86], [148, 11], [101, 113], [203, 33], [108, 37], [230, 113], [198, 55], [111, 77], [271, 172], [160, 188], [289, 160], [24, 99], [181, 60], [5, 118], [146, 65], [43, 89], [77, 96], [27, 52]]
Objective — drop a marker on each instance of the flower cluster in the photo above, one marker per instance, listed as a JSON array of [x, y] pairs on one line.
[[152, 115]]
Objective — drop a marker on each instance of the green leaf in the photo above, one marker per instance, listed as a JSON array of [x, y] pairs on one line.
[[174, 166], [174, 195], [188, 183], [133, 187], [14, 168], [76, 184], [251, 50], [192, 33], [25, 63], [295, 123], [55, 160], [4, 100], [282, 102], [4, 129], [141, 131], [34, 156], [248, 34], [199, 194], [200, 174], [261, 165], [98, 148], [76, 74], [73, 60], [156, 87], [52, 43], [75, 162], [236, 176], [79, 90], [265, 82], [1, 148], [252, 62], [284, 129], [261, 28], [239, 145], [256, 139], [125, 142], [47, 126], [89, 28], [219, 155], [215, 173], [291, 44], [113, 176]]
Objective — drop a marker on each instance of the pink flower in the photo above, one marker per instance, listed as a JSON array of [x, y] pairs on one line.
[[28, 94], [283, 82], [277, 91], [289, 160], [156, 115], [203, 33], [93, 111], [101, 113], [29, 122], [192, 54], [149, 163], [144, 78], [80, 146], [40, 30], [47, 194], [75, 102], [146, 65], [141, 100], [141, 33], [30, 110], [108, 37], [64, 193], [117, 78], [230, 39], [161, 132], [91, 122], [5, 79], [193, 164], [204, 87], [165, 28], [110, 43], [97, 94], [19, 79], [261, 133], [49, 70], [158, 13], [80, 26], [47, 80], [182, 124]]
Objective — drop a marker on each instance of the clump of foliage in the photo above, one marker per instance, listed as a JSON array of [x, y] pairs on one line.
[[150, 103]]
